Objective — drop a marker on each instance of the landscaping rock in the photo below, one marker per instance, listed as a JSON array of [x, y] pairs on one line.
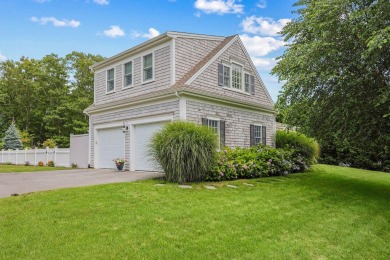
[[210, 187], [185, 186], [249, 184], [232, 186]]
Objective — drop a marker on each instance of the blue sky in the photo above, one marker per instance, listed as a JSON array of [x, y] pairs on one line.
[[34, 28]]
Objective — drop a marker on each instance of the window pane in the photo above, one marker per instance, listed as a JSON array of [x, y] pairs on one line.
[[148, 74], [148, 61], [236, 76], [257, 134], [110, 85], [128, 68], [110, 74], [128, 80]]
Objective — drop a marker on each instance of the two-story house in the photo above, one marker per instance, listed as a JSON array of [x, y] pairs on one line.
[[205, 79]]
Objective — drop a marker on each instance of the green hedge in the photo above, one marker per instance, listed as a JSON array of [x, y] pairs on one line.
[[255, 162], [307, 147]]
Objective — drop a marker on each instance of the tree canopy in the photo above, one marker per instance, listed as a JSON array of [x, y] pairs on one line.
[[337, 79], [46, 97]]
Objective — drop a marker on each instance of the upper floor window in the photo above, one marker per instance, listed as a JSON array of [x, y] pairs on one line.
[[148, 67], [233, 76], [110, 80], [128, 80]]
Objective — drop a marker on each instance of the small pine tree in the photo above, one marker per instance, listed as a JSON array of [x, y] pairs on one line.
[[12, 138]]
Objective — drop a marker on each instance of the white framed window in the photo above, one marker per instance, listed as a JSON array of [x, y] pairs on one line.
[[218, 127], [110, 80], [236, 76], [128, 74], [233, 77], [258, 134], [147, 68]]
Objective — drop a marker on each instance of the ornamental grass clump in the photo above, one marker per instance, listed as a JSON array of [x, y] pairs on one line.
[[184, 150]]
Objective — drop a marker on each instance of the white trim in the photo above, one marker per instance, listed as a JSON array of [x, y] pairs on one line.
[[173, 62], [188, 82], [89, 141], [96, 129], [237, 90], [124, 59], [153, 68], [106, 80], [176, 35], [183, 108], [146, 120], [123, 74]]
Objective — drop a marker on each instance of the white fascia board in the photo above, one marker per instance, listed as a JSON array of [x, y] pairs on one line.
[[176, 35], [223, 102], [200, 71]]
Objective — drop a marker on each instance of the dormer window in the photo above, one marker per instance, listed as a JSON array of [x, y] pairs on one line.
[[148, 67], [110, 80], [236, 76]]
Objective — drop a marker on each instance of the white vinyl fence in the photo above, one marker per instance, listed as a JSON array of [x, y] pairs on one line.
[[60, 156]]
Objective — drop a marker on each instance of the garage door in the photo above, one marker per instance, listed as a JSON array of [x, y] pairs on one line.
[[142, 136], [111, 145]]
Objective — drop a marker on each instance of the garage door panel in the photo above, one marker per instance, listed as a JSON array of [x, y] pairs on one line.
[[142, 136], [111, 145]]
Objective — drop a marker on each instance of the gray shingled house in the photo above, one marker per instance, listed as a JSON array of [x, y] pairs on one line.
[[204, 79]]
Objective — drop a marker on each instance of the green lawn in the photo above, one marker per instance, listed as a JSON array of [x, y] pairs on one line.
[[22, 168], [330, 212]]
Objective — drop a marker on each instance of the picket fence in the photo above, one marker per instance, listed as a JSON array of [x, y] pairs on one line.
[[60, 156]]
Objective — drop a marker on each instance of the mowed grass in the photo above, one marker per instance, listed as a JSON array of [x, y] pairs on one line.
[[21, 168], [328, 213]]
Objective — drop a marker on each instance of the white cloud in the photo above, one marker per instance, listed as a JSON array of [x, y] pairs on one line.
[[264, 64], [101, 2], [151, 33], [56, 22], [219, 6], [263, 25], [261, 4], [114, 32], [2, 57], [261, 46]]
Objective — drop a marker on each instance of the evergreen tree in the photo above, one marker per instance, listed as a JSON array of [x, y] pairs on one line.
[[12, 138]]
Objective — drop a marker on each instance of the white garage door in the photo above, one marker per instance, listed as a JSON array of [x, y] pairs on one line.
[[142, 136], [111, 145]]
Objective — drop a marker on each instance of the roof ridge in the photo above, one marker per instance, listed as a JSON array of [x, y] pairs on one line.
[[202, 62]]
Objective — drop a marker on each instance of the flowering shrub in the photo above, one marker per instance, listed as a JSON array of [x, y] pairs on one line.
[[119, 161], [255, 162]]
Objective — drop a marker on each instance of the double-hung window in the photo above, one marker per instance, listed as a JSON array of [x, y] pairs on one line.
[[218, 127], [128, 77], [148, 67], [226, 76], [258, 135], [110, 80]]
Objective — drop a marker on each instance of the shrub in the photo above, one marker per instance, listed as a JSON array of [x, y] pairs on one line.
[[307, 147], [74, 165], [26, 163], [40, 163], [49, 143], [255, 162], [50, 163], [184, 150]]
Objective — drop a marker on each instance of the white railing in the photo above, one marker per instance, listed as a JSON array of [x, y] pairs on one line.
[[60, 156]]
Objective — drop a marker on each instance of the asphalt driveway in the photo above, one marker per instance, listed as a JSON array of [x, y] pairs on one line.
[[20, 183]]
